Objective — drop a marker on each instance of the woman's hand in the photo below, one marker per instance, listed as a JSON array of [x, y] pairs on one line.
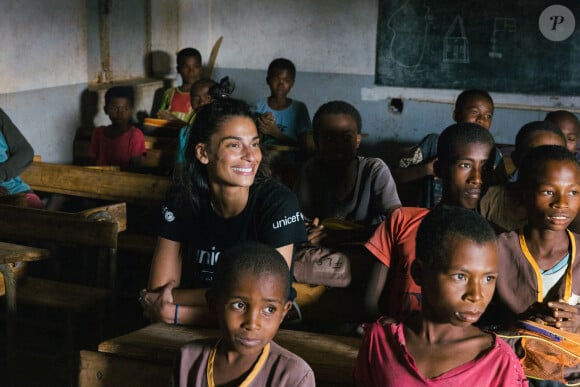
[[158, 304]]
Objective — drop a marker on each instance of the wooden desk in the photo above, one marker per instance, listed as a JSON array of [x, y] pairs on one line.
[[331, 357], [11, 256]]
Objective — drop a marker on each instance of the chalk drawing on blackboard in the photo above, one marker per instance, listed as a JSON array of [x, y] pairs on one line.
[[404, 23], [455, 43], [500, 25]]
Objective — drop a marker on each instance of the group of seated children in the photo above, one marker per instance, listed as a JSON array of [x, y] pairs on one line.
[[226, 246]]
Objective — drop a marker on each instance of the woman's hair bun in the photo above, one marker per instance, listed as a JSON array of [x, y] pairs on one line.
[[223, 89]]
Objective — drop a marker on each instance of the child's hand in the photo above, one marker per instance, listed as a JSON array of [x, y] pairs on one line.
[[316, 232], [165, 115], [267, 124], [157, 304], [567, 316]]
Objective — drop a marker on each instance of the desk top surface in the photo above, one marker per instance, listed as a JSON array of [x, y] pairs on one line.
[[331, 357], [11, 253]]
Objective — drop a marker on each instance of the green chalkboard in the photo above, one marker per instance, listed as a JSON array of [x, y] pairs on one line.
[[514, 46]]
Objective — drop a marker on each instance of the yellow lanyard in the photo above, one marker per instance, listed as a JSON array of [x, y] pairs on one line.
[[255, 370], [532, 261]]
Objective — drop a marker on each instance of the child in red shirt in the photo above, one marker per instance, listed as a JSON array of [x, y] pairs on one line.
[[120, 143]]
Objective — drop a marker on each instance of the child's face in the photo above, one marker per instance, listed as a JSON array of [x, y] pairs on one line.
[[233, 154], [280, 83], [190, 70], [119, 111], [252, 312], [200, 97], [536, 139], [338, 139], [461, 288], [553, 199], [570, 129], [464, 177], [477, 110]]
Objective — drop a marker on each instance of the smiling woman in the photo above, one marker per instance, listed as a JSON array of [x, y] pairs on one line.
[[221, 196]]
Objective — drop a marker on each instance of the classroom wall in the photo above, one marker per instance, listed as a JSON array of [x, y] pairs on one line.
[[57, 53]]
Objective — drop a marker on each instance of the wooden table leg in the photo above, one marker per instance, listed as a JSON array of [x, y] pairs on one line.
[[10, 284]]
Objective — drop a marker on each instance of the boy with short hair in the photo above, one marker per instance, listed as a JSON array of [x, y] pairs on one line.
[[500, 204], [456, 267], [120, 143], [570, 127], [464, 167], [249, 297], [473, 105], [539, 262], [337, 183], [176, 104], [283, 120]]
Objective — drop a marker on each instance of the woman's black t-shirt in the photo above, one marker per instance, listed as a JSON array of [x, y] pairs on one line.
[[271, 216]]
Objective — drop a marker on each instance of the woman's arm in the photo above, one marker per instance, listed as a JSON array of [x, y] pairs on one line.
[[166, 264], [287, 252]]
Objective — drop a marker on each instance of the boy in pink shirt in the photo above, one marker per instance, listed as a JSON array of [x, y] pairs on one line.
[[456, 266]]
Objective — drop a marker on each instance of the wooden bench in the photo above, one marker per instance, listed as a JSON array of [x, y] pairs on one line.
[[143, 190], [119, 360], [93, 230]]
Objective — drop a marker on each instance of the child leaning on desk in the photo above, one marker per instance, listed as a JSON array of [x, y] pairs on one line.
[[249, 298], [456, 266]]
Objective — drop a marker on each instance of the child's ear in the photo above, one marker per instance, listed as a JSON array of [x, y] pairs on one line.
[[201, 153], [455, 116], [438, 169], [287, 307], [358, 138], [417, 272]]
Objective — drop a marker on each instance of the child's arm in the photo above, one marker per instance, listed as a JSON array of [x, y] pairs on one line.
[[414, 172], [20, 150], [375, 287], [267, 125], [135, 164]]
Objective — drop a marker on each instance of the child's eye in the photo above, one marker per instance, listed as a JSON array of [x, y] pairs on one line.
[[490, 279], [464, 165], [270, 309], [489, 116], [256, 144], [547, 192], [459, 276], [233, 145], [574, 193], [238, 305]]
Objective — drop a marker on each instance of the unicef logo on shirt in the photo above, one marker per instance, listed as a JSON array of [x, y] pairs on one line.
[[168, 215]]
